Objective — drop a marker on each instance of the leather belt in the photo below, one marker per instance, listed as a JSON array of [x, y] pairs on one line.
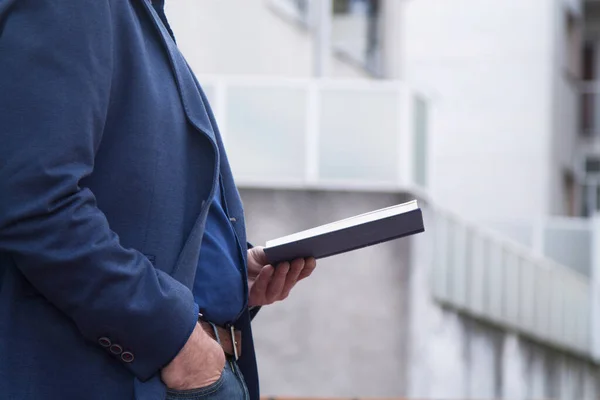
[[230, 339]]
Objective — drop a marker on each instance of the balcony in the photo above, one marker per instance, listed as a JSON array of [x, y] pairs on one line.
[[303, 133], [498, 280]]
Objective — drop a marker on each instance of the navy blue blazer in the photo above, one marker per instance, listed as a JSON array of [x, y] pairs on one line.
[[108, 153]]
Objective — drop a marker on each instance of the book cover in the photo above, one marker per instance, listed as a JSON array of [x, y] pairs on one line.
[[349, 234]]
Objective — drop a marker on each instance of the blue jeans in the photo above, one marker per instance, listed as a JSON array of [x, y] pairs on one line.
[[230, 386]]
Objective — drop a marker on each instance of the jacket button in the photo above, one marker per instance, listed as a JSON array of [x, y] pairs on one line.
[[127, 356], [104, 342], [116, 349]]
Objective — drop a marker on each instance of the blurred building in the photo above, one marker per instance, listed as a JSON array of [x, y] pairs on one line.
[[488, 113]]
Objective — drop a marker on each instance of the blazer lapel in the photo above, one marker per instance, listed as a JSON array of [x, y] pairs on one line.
[[190, 97]]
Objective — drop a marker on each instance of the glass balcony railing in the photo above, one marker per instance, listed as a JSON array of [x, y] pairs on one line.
[[328, 133], [567, 241], [499, 281]]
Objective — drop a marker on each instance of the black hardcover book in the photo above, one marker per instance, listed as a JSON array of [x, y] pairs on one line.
[[348, 234]]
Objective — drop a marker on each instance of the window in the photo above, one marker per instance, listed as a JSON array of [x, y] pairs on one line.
[[590, 180], [588, 93], [592, 165], [357, 32], [592, 199]]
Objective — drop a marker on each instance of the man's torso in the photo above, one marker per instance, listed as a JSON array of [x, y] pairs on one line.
[[155, 170]]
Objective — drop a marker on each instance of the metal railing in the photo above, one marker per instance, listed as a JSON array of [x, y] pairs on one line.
[[495, 279], [322, 133]]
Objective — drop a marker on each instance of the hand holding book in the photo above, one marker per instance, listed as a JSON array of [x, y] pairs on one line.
[[267, 284]]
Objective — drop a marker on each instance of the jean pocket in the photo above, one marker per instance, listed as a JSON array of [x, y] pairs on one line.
[[204, 393]]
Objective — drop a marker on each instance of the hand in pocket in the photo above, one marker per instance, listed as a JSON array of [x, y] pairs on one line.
[[199, 364]]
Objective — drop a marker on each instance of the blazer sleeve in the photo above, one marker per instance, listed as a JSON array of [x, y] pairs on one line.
[[56, 63]]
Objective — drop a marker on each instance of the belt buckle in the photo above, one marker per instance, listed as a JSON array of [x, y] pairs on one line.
[[235, 351]]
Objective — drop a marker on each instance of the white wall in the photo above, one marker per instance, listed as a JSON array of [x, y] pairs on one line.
[[488, 68], [244, 37]]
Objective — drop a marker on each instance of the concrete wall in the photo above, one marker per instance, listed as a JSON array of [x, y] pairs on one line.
[[467, 360], [488, 67], [343, 331], [245, 37], [365, 324]]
